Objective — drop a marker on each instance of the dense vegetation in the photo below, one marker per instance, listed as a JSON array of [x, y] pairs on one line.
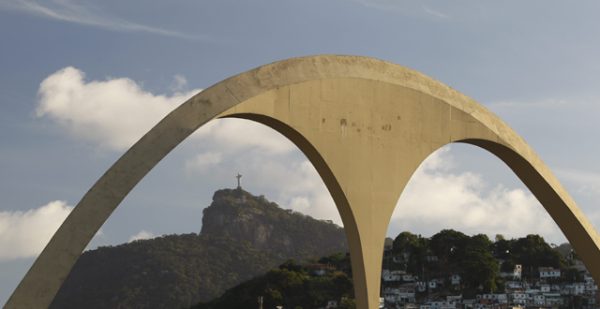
[[242, 236], [476, 259], [293, 285]]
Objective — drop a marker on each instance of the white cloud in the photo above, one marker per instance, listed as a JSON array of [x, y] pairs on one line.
[[69, 11], [113, 113], [25, 233], [203, 161], [143, 234], [438, 198]]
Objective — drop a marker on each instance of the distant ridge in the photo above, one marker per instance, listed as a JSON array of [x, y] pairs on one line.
[[242, 236]]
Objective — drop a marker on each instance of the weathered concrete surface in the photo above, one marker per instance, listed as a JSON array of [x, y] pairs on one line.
[[365, 124]]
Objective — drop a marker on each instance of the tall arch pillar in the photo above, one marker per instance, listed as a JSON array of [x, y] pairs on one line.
[[365, 124], [347, 124]]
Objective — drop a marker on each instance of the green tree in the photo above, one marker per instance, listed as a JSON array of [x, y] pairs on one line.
[[533, 252], [449, 246], [479, 266], [412, 249]]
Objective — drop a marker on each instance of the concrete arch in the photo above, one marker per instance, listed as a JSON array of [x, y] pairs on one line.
[[366, 125]]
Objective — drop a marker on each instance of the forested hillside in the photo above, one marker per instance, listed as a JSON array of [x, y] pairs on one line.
[[242, 236], [481, 264]]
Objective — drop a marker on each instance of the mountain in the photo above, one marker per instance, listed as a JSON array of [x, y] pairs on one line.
[[242, 236], [238, 215]]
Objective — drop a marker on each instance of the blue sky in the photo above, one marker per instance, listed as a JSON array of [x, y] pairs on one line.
[[80, 81]]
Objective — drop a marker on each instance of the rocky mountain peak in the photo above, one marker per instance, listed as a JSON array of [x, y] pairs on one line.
[[238, 214]]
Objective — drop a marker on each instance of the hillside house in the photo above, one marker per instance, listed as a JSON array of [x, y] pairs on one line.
[[392, 275], [576, 288], [493, 298], [432, 284], [455, 279], [517, 272], [400, 295], [438, 304], [518, 298], [539, 300], [553, 299], [549, 273]]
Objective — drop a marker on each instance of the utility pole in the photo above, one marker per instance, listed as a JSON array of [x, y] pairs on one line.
[[260, 300]]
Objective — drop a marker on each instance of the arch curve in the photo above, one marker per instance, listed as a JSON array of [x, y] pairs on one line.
[[366, 124]]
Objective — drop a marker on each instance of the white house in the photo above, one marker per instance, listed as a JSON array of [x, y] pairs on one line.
[[539, 300], [493, 298], [440, 304], [432, 284], [517, 271], [576, 288], [549, 273], [393, 275], [400, 295], [590, 285], [553, 299], [518, 298], [455, 279]]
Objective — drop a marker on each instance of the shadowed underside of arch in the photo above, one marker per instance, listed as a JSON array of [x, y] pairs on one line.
[[365, 124]]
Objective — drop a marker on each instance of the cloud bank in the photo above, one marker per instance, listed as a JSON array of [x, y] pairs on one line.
[[113, 113], [439, 197], [25, 233]]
